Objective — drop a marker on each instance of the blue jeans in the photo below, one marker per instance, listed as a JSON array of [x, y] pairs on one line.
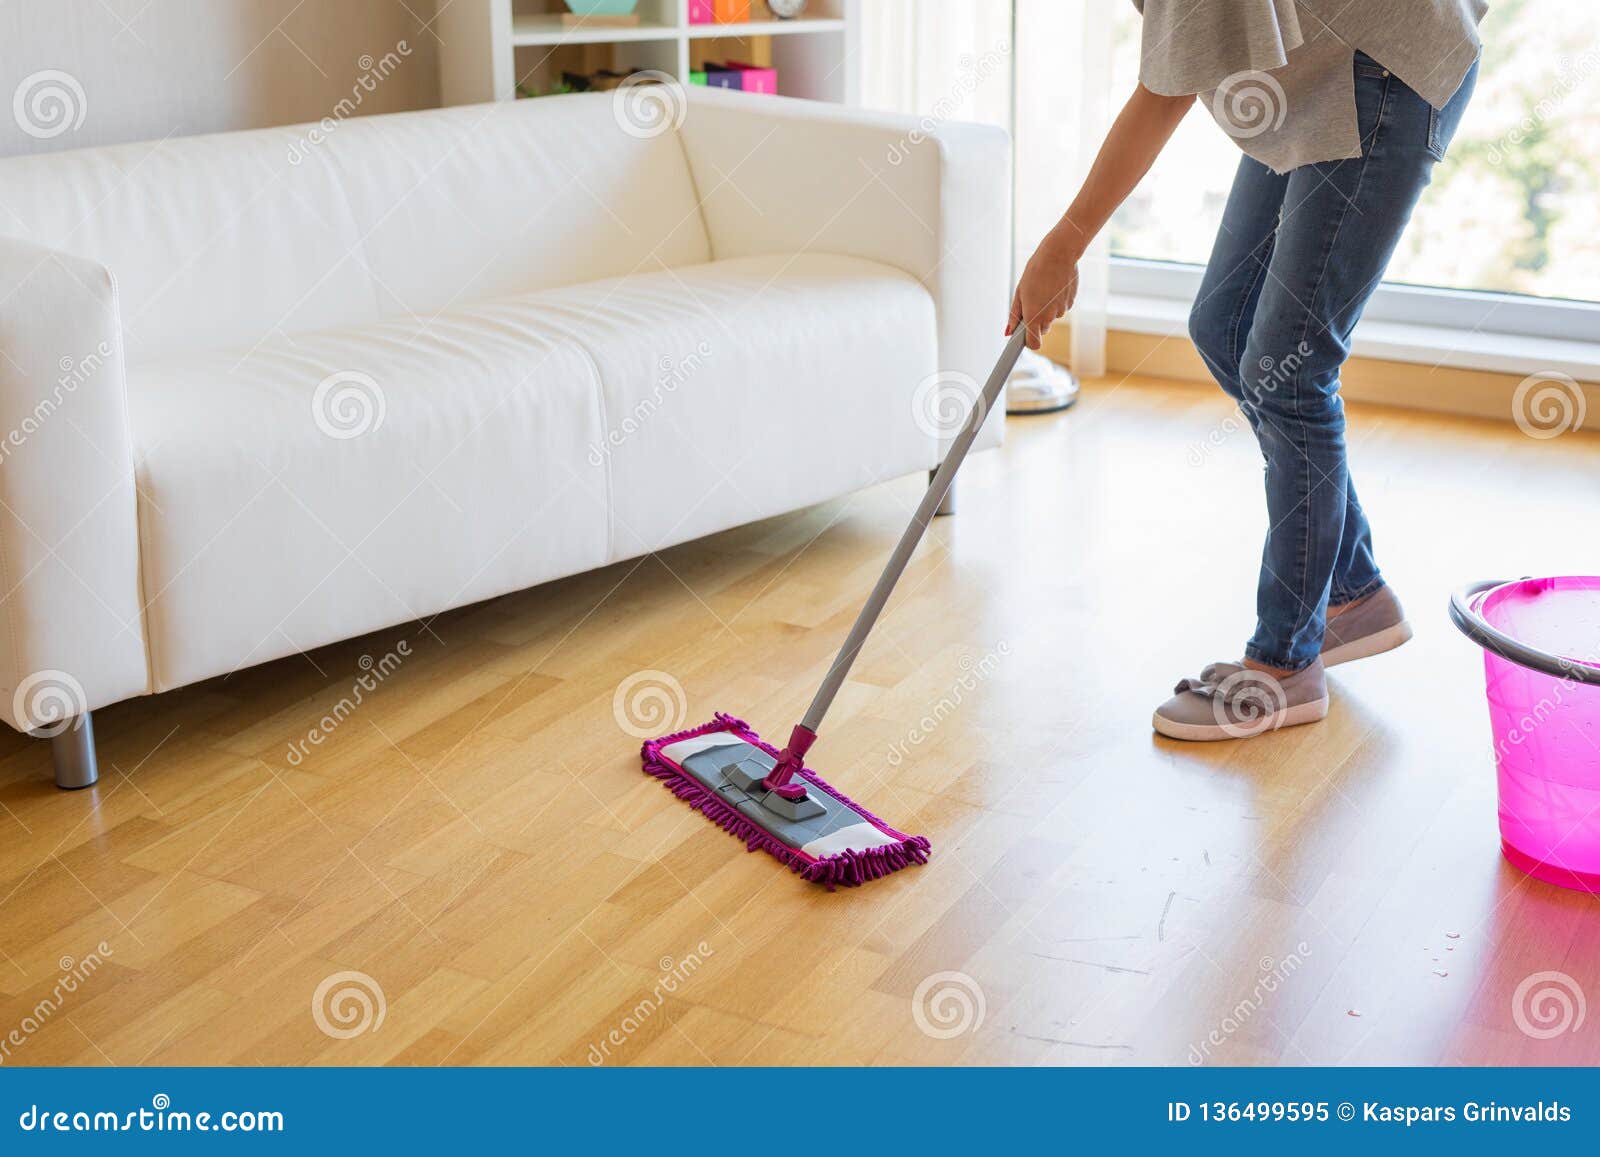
[[1295, 261]]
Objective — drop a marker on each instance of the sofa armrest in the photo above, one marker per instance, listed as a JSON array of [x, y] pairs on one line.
[[787, 176], [72, 635]]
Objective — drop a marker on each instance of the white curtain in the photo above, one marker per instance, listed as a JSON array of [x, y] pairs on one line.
[[947, 59], [1047, 80]]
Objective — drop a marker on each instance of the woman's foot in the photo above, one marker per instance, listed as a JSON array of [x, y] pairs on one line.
[[1370, 625], [1232, 701]]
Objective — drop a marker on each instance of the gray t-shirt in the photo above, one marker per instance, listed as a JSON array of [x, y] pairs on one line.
[[1278, 76]]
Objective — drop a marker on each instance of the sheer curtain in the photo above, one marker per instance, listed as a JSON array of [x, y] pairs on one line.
[[1039, 68], [946, 59]]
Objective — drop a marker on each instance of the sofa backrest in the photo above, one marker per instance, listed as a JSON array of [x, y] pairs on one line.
[[218, 241]]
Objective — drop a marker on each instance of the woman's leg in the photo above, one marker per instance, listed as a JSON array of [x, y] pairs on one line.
[[1221, 318], [1355, 567], [1226, 303], [1341, 223]]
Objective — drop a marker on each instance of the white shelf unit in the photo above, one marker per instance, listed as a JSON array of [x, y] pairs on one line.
[[488, 48]]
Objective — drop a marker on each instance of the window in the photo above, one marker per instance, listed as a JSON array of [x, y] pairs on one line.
[[1515, 210]]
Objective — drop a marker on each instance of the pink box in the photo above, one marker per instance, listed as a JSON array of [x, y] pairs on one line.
[[702, 12], [757, 79]]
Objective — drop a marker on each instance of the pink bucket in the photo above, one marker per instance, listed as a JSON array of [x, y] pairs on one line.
[[1541, 640]]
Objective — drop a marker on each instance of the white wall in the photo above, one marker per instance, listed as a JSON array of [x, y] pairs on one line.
[[149, 68]]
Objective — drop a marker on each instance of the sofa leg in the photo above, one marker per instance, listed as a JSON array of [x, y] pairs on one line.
[[948, 506], [73, 753]]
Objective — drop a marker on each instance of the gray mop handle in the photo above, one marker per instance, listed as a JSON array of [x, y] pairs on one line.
[[931, 499]]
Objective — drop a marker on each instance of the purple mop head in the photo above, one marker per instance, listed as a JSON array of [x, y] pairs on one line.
[[848, 845]]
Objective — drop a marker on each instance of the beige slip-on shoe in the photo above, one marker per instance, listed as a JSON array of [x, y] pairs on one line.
[[1232, 701], [1372, 626]]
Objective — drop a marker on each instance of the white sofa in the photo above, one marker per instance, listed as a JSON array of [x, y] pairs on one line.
[[263, 391]]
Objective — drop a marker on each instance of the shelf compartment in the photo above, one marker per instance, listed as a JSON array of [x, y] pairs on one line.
[[546, 29], [797, 26], [539, 67]]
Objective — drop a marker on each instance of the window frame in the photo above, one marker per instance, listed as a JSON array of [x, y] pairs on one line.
[[1436, 308]]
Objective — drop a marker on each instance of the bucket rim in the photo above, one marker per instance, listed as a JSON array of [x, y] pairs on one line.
[[1465, 602]]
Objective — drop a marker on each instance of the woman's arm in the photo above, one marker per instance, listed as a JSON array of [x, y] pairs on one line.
[[1050, 282]]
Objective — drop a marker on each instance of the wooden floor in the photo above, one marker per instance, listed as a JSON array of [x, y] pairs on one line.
[[475, 840]]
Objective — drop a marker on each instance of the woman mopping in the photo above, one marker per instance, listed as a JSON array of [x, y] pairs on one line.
[[1342, 108]]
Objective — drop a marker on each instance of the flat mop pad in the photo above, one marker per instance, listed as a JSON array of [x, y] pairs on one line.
[[842, 843], [769, 798]]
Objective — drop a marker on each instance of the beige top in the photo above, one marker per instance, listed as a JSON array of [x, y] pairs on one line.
[[1277, 74]]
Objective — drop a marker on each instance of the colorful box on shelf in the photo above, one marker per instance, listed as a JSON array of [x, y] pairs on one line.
[[754, 79], [600, 14], [702, 12], [746, 77], [731, 11], [697, 76]]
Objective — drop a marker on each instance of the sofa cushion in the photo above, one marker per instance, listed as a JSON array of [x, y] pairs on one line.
[[508, 443], [219, 241], [741, 389], [464, 204], [213, 240], [439, 465]]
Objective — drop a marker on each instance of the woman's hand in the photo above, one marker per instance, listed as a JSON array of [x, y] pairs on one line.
[[1047, 290]]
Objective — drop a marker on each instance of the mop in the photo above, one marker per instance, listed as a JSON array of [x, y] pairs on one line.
[[770, 798]]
